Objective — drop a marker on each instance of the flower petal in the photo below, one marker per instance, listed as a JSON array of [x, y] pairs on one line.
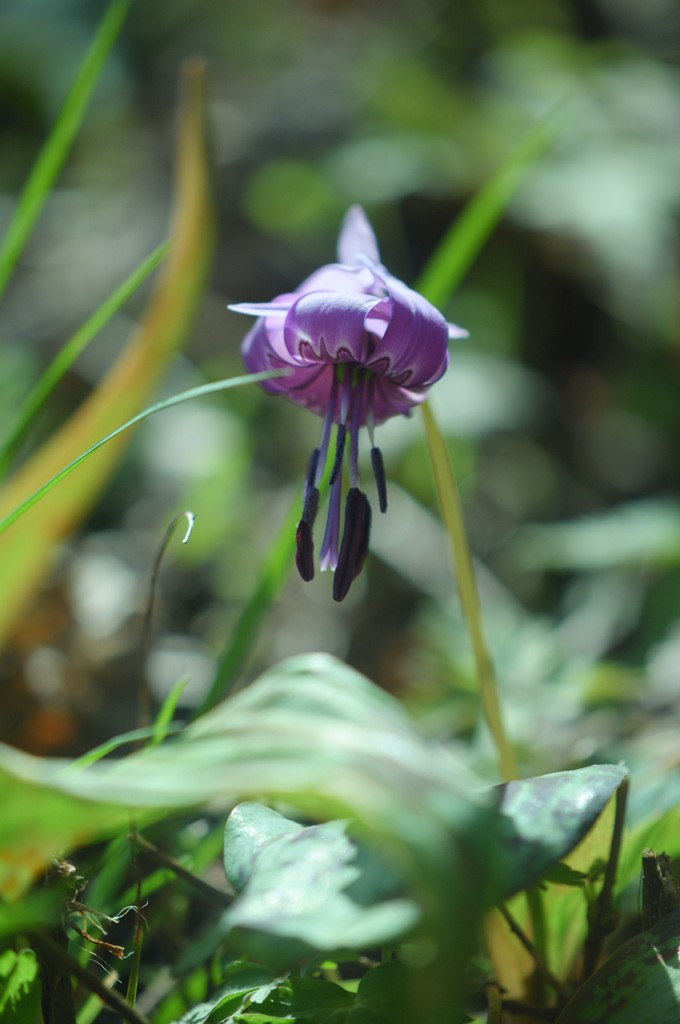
[[334, 277], [302, 384], [277, 307], [414, 348], [357, 238], [327, 327], [391, 400], [457, 332]]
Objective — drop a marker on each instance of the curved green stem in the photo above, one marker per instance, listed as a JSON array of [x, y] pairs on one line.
[[452, 516]]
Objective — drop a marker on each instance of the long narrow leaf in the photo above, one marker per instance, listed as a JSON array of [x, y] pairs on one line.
[[55, 150], [71, 350], [25, 554], [167, 403], [275, 568], [467, 235]]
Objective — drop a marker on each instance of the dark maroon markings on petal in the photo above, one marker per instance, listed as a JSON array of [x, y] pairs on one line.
[[304, 555], [306, 351], [339, 453], [354, 547], [379, 474], [336, 318], [378, 366], [416, 338]]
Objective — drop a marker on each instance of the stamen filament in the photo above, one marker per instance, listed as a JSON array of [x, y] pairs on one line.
[[357, 403], [347, 387], [325, 437], [328, 558], [370, 408]]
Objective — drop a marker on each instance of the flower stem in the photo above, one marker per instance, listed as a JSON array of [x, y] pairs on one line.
[[452, 516]]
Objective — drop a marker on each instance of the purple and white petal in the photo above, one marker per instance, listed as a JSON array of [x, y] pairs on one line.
[[329, 328], [413, 351], [277, 307], [357, 238], [390, 400], [356, 280]]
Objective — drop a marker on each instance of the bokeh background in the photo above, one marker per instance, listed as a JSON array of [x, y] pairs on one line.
[[561, 408]]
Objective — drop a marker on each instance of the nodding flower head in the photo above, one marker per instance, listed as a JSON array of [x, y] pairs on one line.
[[359, 346]]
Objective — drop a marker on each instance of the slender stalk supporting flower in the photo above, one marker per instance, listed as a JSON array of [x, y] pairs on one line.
[[452, 514], [359, 347]]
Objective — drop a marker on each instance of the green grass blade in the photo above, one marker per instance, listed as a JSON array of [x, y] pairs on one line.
[[184, 396], [54, 152], [467, 235], [161, 726], [92, 756], [275, 568], [70, 352]]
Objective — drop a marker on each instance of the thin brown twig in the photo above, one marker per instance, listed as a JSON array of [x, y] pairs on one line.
[[541, 965], [203, 888], [53, 952], [602, 917], [495, 1006]]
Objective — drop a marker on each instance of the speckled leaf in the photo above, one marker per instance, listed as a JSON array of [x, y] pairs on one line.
[[640, 983], [306, 889], [542, 819], [319, 736]]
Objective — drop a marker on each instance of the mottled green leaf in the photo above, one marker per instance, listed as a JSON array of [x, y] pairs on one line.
[[245, 983], [306, 889], [640, 983], [542, 819]]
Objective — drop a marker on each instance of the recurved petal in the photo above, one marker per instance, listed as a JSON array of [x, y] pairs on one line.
[[328, 327], [457, 332], [357, 238], [391, 400], [258, 355], [333, 277], [413, 351], [277, 307]]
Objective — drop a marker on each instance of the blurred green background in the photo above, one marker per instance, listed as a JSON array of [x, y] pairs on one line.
[[561, 408]]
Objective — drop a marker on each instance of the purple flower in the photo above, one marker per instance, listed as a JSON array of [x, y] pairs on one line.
[[360, 346]]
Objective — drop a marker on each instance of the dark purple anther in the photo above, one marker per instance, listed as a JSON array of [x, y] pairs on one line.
[[354, 546], [379, 474]]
